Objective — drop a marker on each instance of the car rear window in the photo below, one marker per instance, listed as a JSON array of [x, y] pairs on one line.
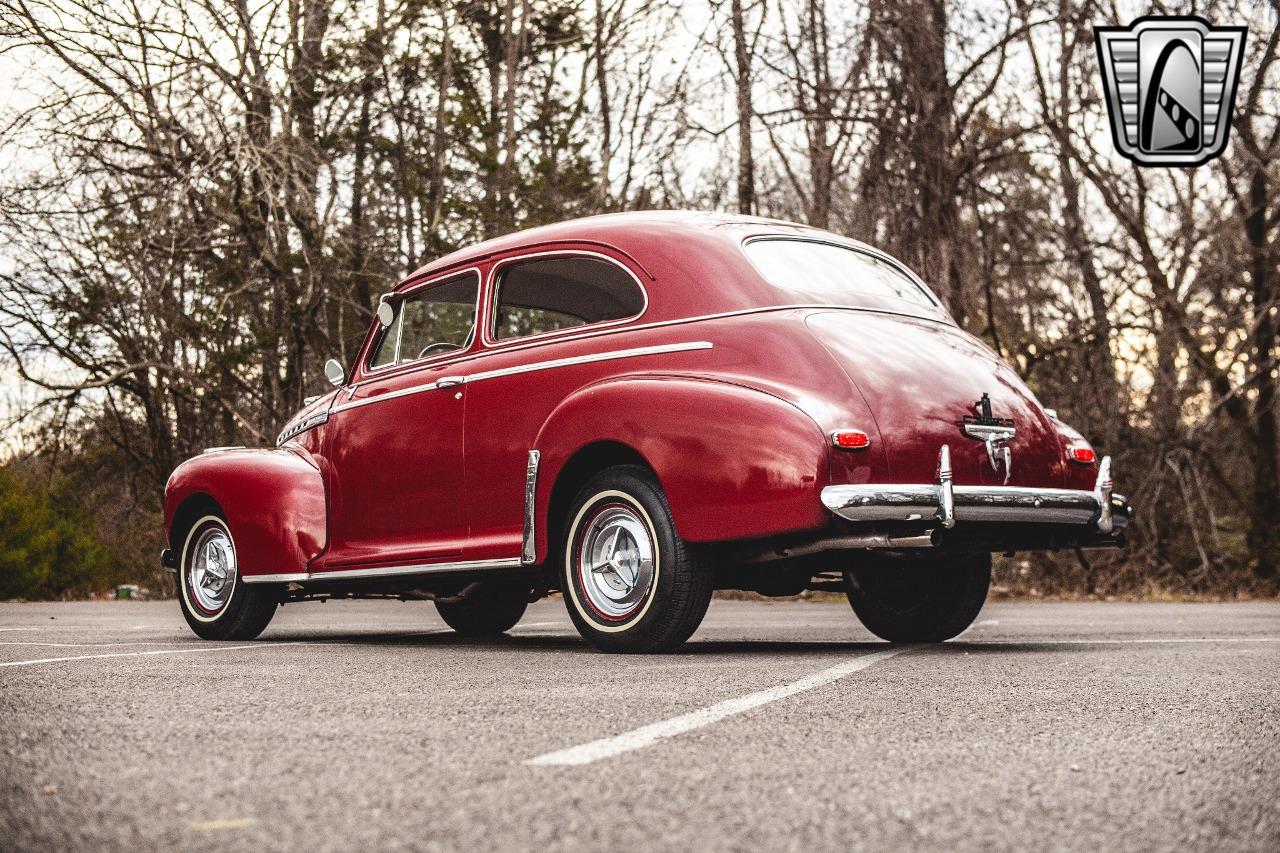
[[824, 270], [546, 294]]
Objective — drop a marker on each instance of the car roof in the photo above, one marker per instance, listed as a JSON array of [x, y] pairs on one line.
[[627, 232], [689, 263]]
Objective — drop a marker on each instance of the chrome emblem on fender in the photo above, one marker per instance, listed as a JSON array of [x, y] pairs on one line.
[[994, 433], [1170, 84]]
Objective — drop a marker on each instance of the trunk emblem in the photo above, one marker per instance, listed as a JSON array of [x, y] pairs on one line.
[[994, 433]]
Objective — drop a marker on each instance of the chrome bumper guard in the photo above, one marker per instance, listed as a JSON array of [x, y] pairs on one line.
[[945, 503]]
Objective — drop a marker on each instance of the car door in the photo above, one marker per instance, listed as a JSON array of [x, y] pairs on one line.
[[540, 306], [394, 438]]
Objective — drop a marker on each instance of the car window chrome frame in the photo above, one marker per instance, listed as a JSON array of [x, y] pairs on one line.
[[491, 300], [367, 371], [851, 246]]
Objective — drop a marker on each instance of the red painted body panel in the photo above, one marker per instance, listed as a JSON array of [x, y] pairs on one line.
[[734, 462], [396, 475], [922, 378], [734, 414], [273, 500]]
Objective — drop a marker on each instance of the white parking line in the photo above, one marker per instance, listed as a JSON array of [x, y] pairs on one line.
[[86, 645], [157, 652], [651, 734], [1130, 641]]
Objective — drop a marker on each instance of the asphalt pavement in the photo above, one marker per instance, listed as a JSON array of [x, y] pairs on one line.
[[781, 726]]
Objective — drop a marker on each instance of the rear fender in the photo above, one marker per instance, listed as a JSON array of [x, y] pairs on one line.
[[273, 500], [734, 462]]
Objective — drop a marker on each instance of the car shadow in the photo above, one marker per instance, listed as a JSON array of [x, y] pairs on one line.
[[568, 640]]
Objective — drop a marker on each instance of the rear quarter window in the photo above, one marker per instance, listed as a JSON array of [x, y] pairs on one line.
[[547, 294]]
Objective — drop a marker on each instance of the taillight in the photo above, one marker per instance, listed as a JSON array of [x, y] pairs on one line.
[[850, 439], [1082, 453]]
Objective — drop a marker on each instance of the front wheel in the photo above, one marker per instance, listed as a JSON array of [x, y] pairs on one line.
[[217, 603], [925, 601], [631, 583]]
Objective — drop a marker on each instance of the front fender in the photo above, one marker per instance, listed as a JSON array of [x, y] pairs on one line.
[[734, 462], [273, 500]]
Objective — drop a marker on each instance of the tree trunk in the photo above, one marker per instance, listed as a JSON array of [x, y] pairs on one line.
[[1264, 527], [606, 117], [746, 112]]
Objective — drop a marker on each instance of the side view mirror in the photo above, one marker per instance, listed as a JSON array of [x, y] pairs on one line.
[[386, 314], [334, 373]]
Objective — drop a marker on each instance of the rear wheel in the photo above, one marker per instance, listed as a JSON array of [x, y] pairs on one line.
[[215, 600], [925, 601], [488, 611], [631, 583]]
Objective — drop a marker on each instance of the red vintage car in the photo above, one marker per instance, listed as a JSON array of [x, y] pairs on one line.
[[636, 410]]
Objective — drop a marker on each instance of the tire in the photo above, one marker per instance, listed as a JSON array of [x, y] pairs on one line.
[[651, 595], [920, 601], [490, 610], [219, 608]]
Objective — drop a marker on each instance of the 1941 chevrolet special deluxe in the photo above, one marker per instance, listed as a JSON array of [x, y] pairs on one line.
[[636, 410]]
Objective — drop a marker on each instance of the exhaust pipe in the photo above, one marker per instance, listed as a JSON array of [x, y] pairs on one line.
[[858, 542]]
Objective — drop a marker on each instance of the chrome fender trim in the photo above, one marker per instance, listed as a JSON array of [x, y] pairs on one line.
[[529, 542]]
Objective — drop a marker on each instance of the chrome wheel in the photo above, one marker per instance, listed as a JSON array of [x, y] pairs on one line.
[[616, 562], [211, 577]]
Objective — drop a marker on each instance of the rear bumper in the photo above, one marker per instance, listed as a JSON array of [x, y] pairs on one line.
[[1100, 512], [973, 503]]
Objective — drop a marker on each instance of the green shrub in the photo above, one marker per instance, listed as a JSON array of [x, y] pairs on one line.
[[48, 545]]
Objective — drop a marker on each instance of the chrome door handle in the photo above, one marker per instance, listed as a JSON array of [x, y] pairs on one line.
[[450, 381]]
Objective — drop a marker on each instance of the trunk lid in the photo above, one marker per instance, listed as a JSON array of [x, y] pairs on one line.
[[921, 379]]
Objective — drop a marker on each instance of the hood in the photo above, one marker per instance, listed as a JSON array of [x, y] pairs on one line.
[[921, 378]]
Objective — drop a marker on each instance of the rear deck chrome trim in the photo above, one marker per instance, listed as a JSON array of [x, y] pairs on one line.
[[385, 571]]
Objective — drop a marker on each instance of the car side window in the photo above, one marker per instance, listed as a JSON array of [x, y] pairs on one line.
[[431, 322], [546, 294]]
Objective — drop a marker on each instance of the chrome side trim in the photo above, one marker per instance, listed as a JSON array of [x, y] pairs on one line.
[[287, 577], [385, 571], [529, 543], [660, 349], [450, 381], [222, 448]]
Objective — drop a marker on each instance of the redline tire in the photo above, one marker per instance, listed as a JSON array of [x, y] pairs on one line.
[[630, 583], [215, 600], [925, 601]]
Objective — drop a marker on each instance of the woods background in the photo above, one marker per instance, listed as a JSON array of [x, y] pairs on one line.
[[200, 201]]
